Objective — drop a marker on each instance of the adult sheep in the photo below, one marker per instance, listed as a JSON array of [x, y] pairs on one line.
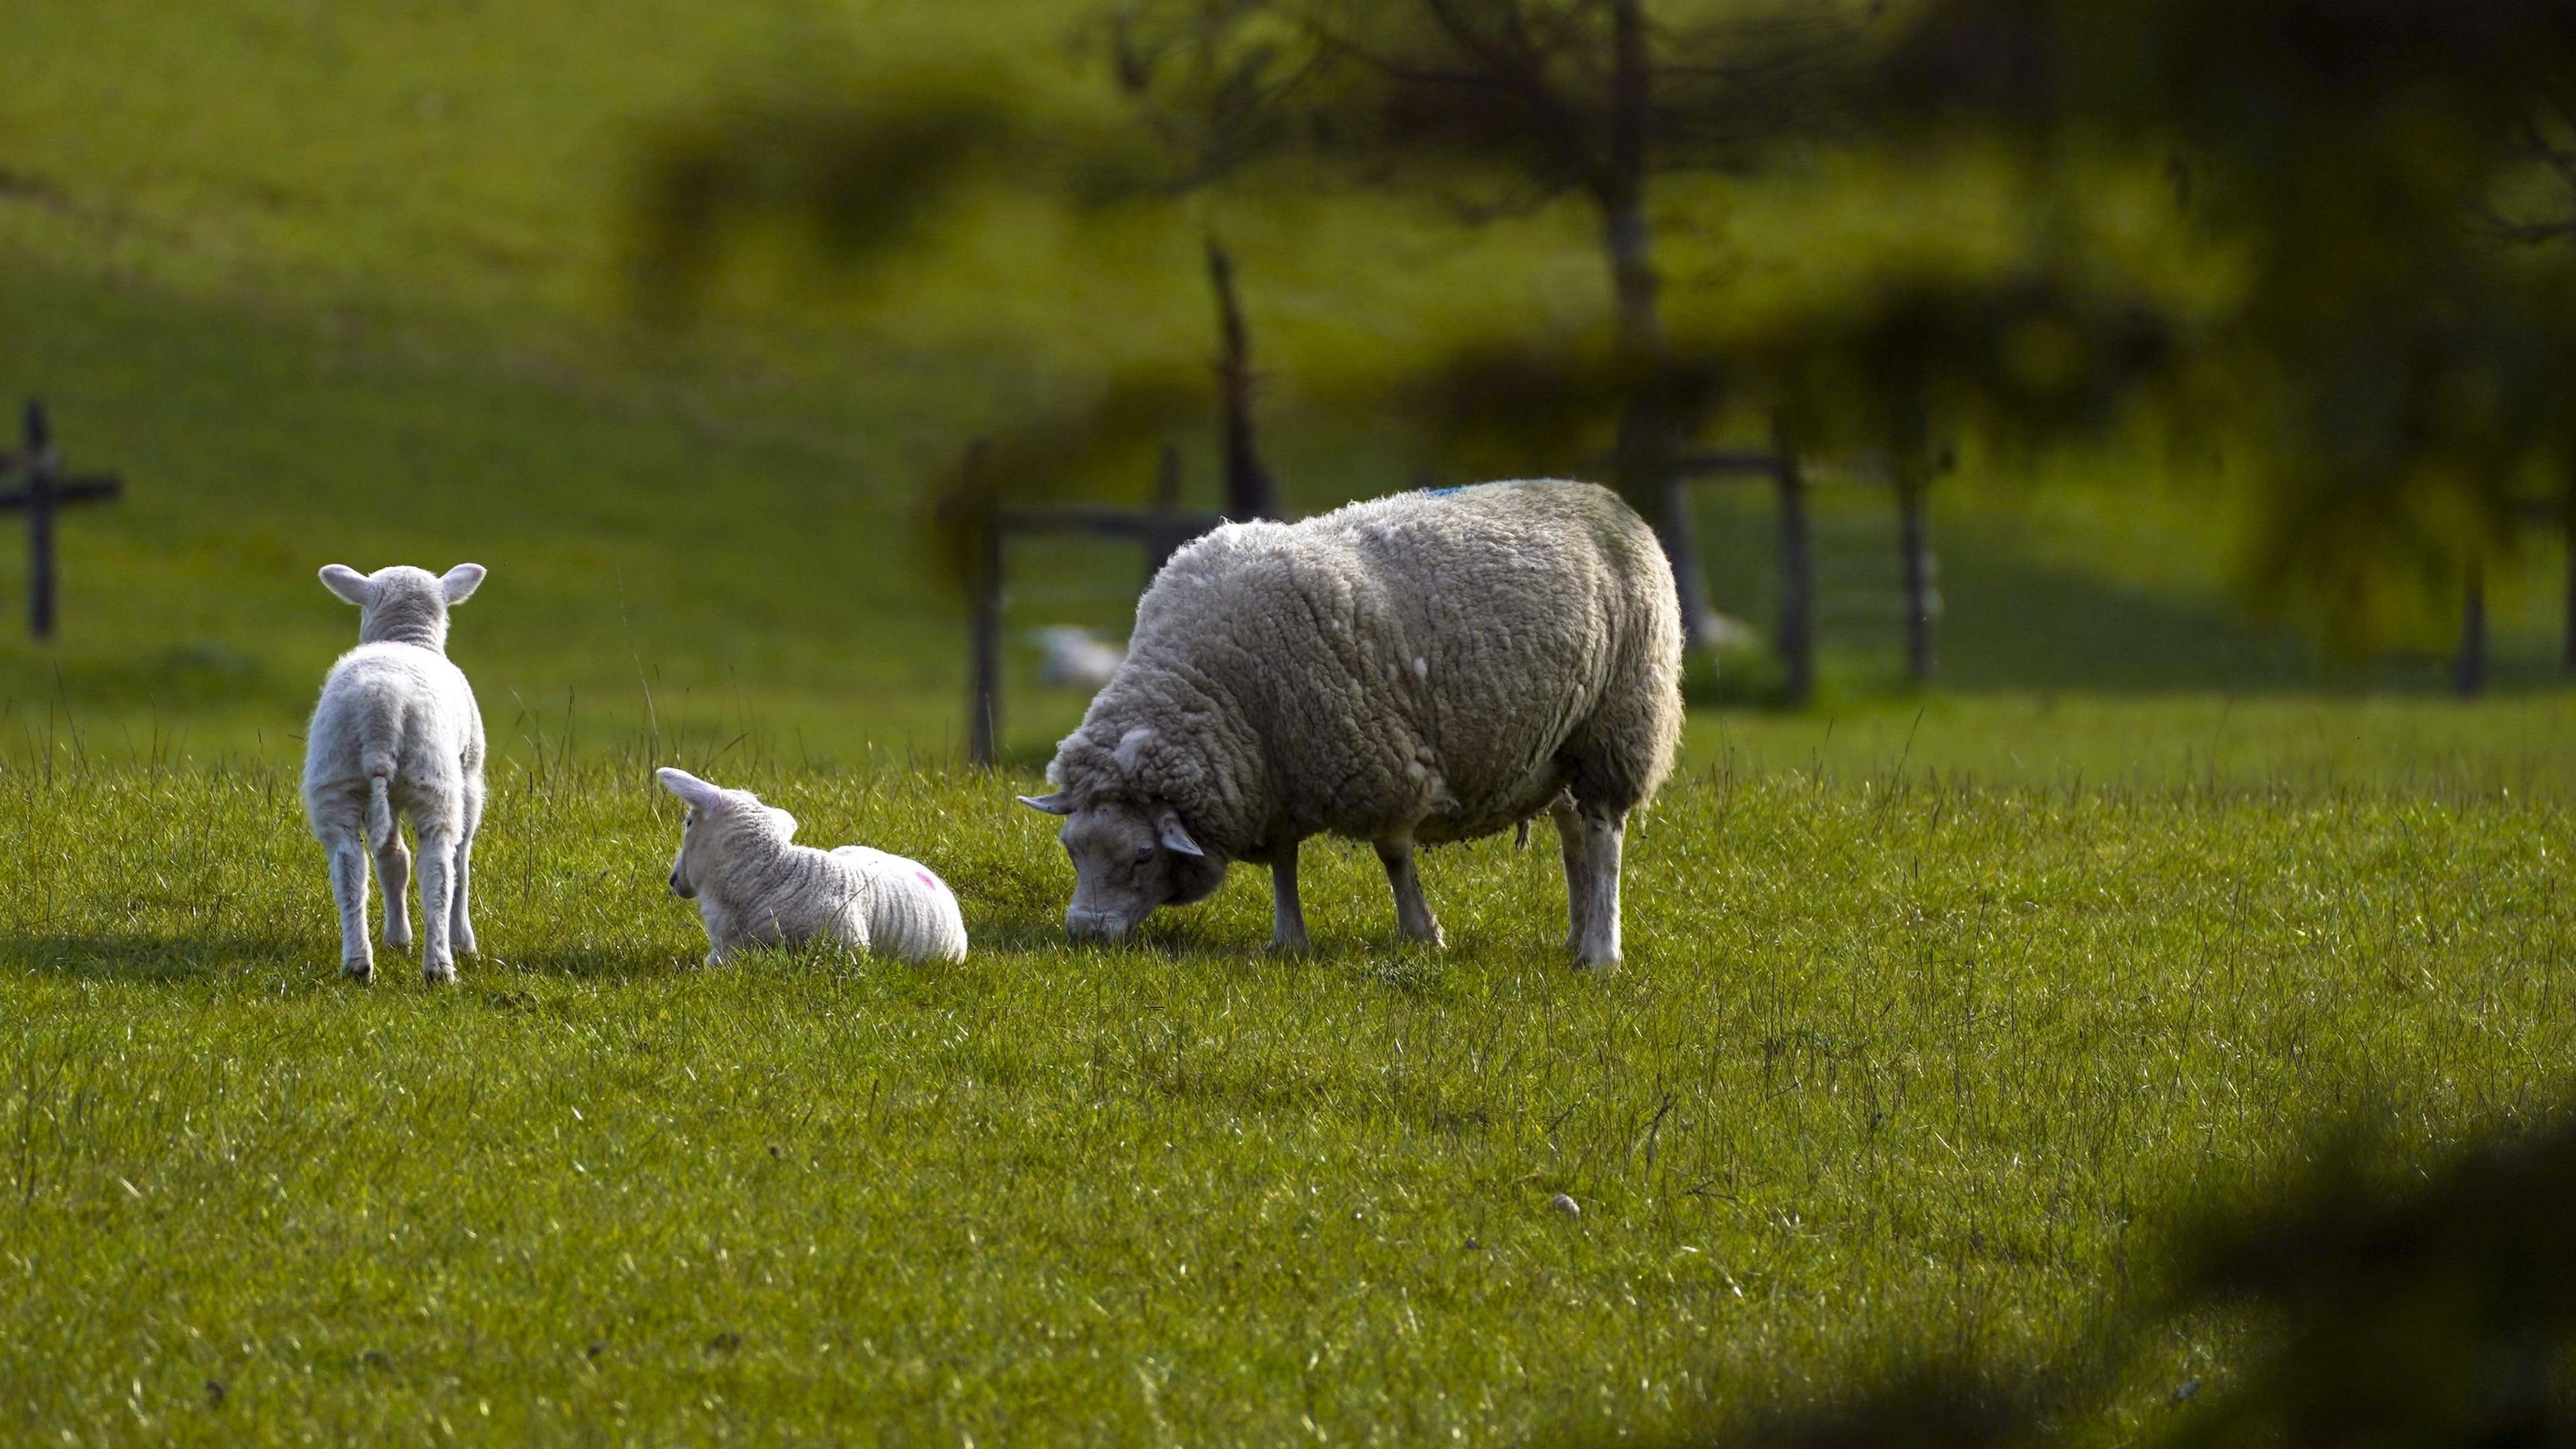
[[1428, 667]]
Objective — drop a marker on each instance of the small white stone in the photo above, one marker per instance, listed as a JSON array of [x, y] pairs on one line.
[[1421, 667], [1566, 1205]]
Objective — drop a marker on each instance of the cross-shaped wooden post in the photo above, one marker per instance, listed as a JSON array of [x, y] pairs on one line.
[[44, 490]]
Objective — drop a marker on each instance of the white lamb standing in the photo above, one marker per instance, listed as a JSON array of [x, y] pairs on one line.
[[397, 732], [754, 888], [1428, 667]]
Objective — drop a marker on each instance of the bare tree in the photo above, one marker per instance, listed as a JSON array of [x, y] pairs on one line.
[[1496, 107]]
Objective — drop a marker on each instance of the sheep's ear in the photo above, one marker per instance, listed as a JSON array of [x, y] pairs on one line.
[[687, 786], [1058, 803], [460, 582], [1175, 836], [785, 822], [1131, 748], [349, 584]]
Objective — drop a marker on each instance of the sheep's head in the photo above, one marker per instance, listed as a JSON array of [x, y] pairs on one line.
[[401, 604], [1128, 858], [723, 827]]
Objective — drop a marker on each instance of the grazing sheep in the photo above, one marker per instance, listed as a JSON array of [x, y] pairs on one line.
[[397, 731], [754, 888], [1422, 668], [1074, 659]]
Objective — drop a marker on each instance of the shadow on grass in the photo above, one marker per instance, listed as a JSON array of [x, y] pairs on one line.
[[161, 958], [174, 959]]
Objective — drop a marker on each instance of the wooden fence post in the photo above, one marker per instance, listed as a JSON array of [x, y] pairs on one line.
[[2567, 527], [983, 618], [1797, 628], [1249, 491], [41, 466], [2469, 670], [1914, 545]]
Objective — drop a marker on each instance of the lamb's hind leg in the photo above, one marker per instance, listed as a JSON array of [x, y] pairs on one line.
[[1578, 870], [437, 903], [393, 873], [346, 847], [460, 931], [1413, 919]]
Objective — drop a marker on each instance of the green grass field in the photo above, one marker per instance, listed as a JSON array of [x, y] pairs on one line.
[[1939, 1003], [1894, 1063]]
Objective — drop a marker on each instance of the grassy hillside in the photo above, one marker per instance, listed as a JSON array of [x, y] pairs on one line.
[[1891, 1061], [346, 284]]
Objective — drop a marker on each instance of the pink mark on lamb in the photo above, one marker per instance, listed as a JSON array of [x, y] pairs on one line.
[[932, 881]]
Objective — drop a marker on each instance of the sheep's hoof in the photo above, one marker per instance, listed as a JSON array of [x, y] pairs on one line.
[[1289, 945], [398, 940], [465, 944], [1597, 965], [443, 974], [359, 973], [1435, 938]]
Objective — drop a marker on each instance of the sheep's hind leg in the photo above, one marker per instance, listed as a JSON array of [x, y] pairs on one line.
[[393, 872], [347, 849], [1413, 919], [1578, 870], [1288, 931], [437, 905], [1604, 833]]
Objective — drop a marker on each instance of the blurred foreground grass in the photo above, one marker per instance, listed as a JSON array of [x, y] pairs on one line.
[[1895, 1061]]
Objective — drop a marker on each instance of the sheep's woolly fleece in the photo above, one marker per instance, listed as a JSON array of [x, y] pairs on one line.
[[755, 887], [1438, 665]]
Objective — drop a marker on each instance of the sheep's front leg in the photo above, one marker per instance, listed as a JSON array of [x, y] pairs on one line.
[[1603, 836], [348, 853], [437, 905], [1413, 919], [460, 930], [1578, 870], [1288, 928], [393, 873]]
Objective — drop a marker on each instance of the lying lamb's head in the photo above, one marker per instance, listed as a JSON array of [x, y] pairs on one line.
[[724, 826], [1128, 858], [401, 604]]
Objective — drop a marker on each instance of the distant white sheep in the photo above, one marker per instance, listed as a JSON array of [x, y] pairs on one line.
[[1073, 658], [754, 888], [397, 731]]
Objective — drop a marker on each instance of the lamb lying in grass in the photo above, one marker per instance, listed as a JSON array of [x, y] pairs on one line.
[[397, 729], [754, 888]]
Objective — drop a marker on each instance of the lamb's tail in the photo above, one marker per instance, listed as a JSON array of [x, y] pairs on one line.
[[380, 810]]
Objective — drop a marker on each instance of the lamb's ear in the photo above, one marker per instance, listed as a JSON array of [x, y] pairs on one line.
[[785, 822], [1058, 803], [460, 582], [1174, 835], [349, 584], [687, 786]]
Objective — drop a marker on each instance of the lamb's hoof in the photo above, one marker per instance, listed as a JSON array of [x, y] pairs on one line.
[[1435, 938], [442, 974], [1289, 945], [397, 940], [465, 944], [1597, 965], [359, 973]]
